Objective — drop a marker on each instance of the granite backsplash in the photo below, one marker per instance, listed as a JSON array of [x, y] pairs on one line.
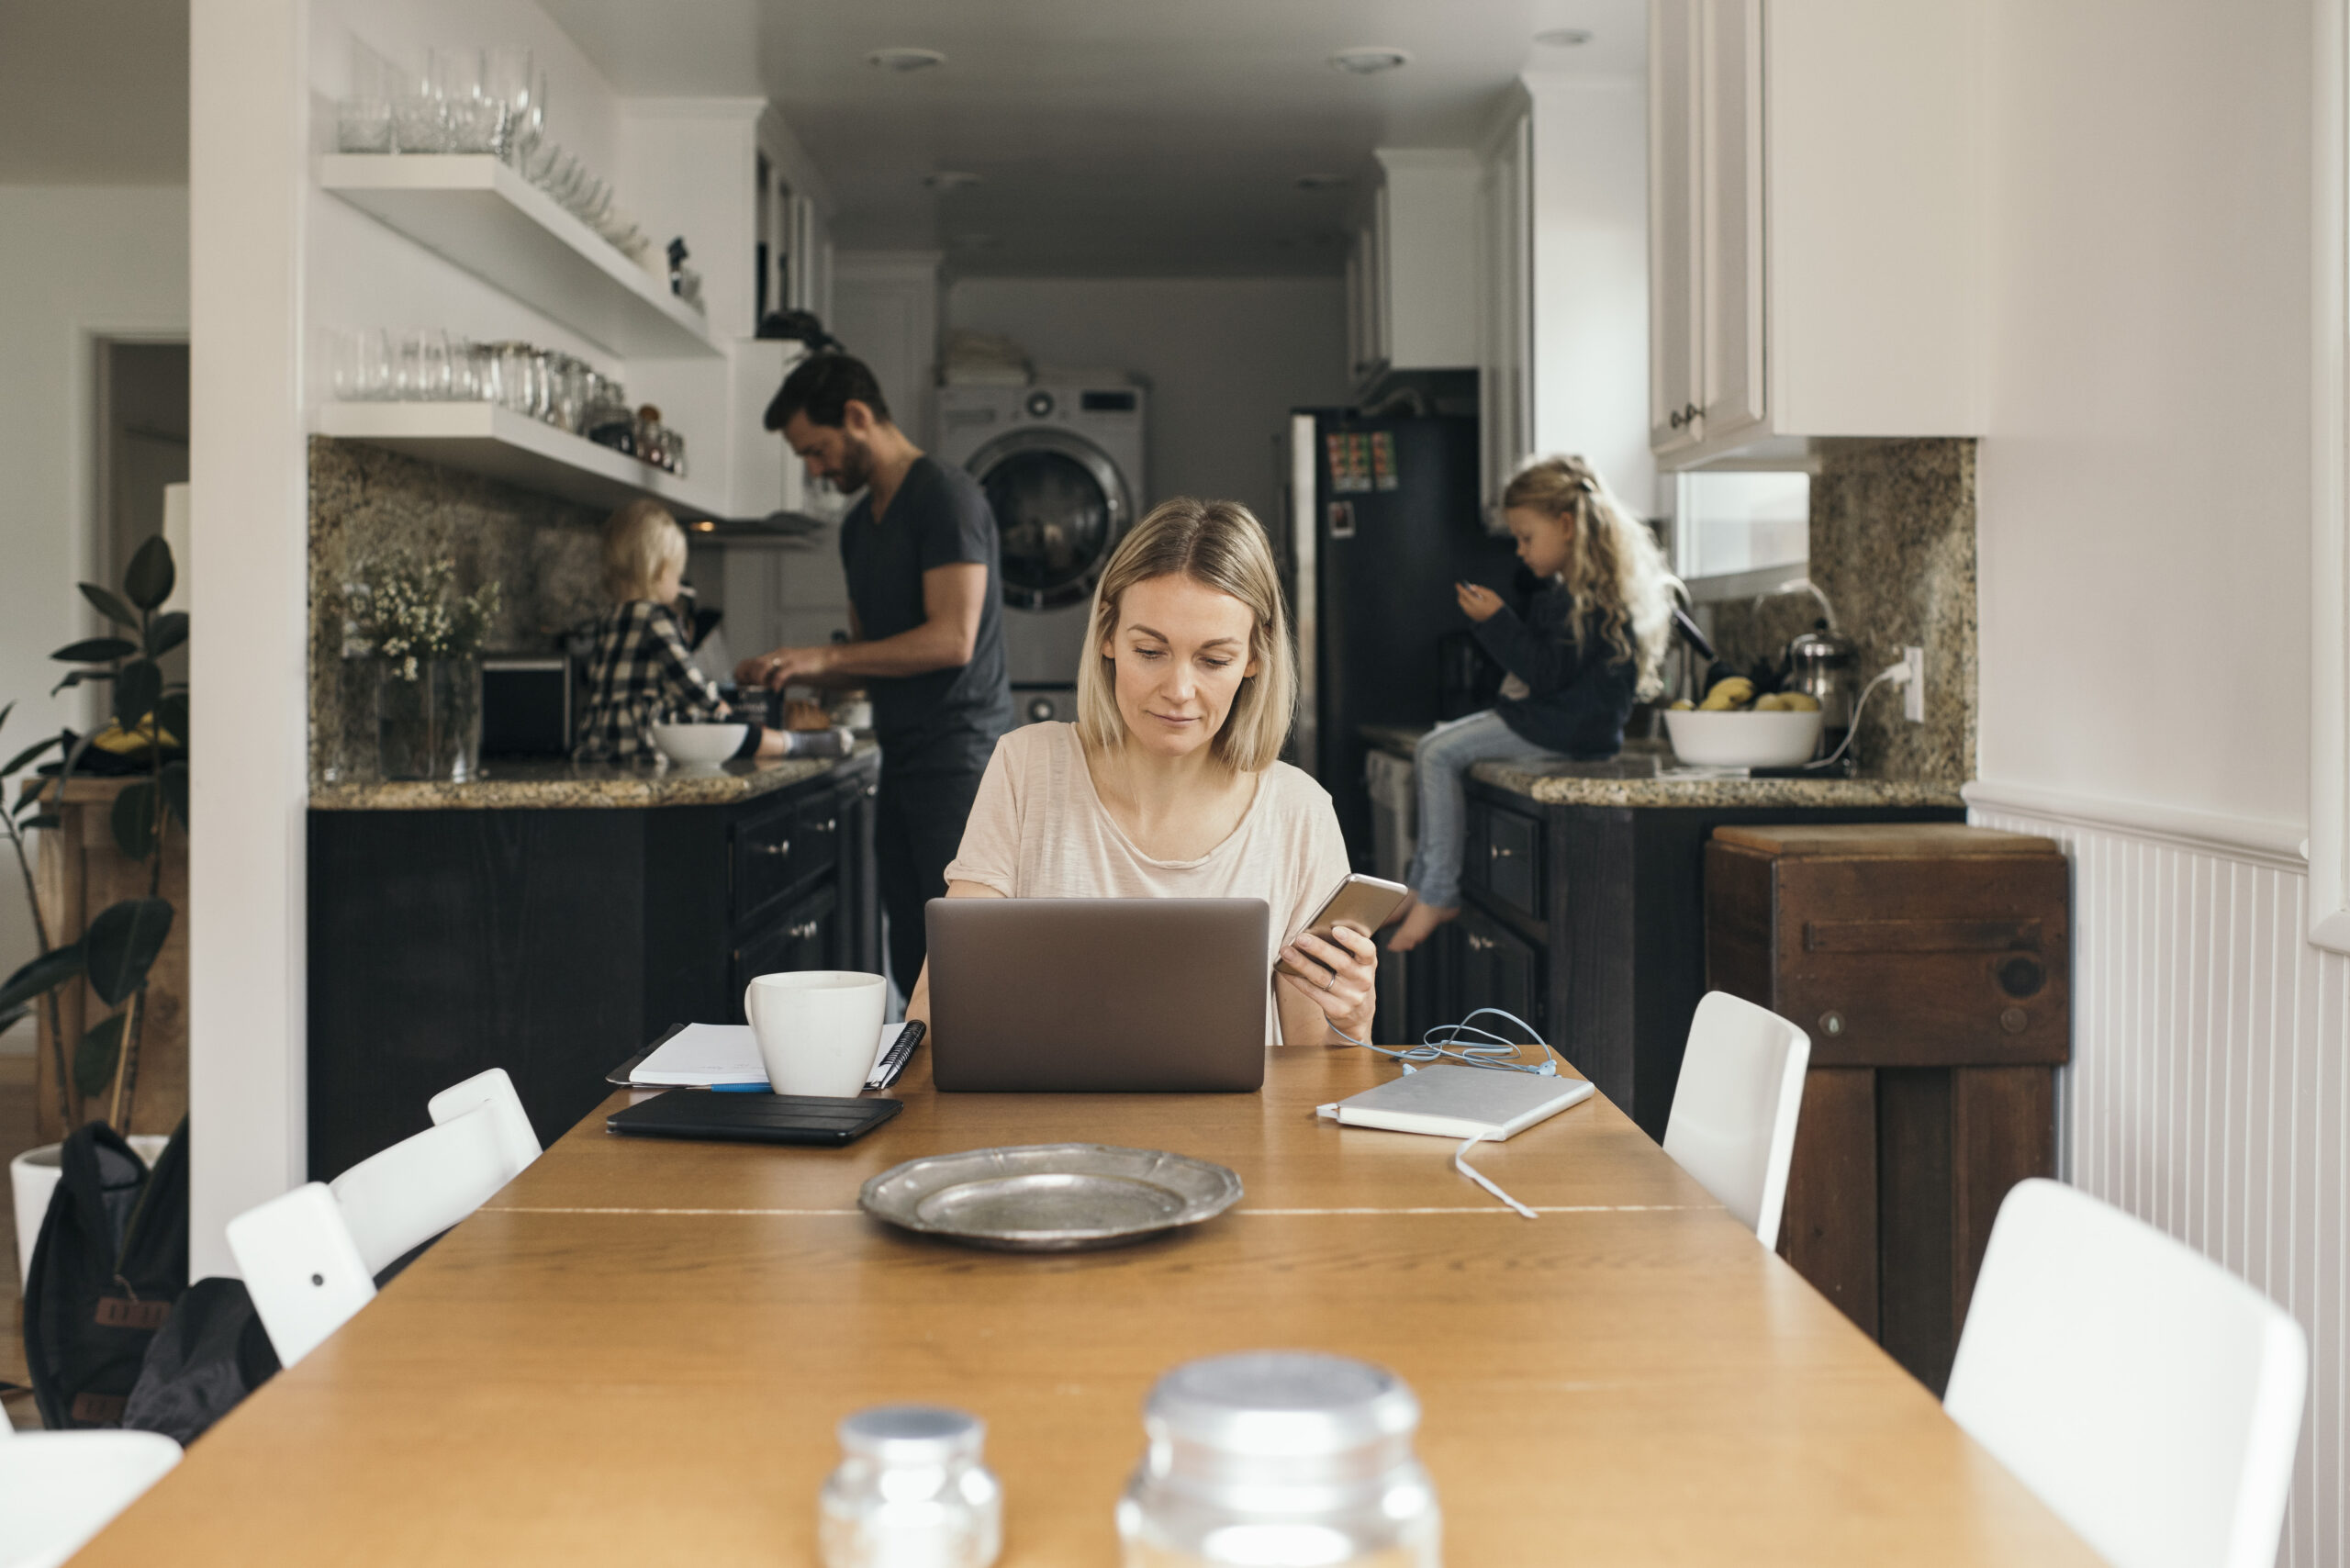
[[364, 501], [1893, 548]]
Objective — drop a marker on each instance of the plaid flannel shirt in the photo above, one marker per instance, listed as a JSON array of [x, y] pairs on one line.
[[640, 668]]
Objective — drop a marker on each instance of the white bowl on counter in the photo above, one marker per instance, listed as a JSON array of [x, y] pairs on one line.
[[699, 746], [1742, 739]]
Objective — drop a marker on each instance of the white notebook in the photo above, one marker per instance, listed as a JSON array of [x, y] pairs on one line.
[[700, 1055], [1451, 1101]]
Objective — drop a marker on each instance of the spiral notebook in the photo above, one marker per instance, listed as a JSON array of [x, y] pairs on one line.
[[1450, 1101]]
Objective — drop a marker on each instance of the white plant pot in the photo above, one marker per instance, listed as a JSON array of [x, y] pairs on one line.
[[35, 1175]]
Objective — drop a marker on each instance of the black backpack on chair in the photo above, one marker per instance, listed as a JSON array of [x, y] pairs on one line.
[[111, 1260]]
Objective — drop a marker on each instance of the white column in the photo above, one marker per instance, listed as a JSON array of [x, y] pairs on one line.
[[247, 138]]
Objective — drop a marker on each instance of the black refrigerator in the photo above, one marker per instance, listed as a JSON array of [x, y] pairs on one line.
[[1385, 518]]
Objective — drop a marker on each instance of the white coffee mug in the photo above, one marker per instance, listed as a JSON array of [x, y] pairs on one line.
[[816, 1028]]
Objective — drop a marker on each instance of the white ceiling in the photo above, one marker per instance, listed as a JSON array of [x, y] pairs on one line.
[[92, 92], [1113, 137]]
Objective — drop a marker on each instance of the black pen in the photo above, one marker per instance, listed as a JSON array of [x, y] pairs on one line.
[[900, 1054]]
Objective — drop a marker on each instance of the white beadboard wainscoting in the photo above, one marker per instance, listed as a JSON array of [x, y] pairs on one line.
[[2209, 1088]]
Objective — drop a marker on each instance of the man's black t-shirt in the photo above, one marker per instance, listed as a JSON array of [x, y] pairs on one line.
[[947, 718]]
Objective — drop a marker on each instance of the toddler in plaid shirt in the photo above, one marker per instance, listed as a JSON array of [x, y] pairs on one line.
[[641, 668]]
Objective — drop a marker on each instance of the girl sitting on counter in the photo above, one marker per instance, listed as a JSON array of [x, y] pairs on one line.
[[642, 668], [1593, 641]]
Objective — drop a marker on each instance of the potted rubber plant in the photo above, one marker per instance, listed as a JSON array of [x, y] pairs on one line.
[[145, 745]]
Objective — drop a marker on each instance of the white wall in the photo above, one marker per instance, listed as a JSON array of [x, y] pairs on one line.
[[2144, 489], [82, 264], [2143, 508], [1226, 358], [1590, 277]]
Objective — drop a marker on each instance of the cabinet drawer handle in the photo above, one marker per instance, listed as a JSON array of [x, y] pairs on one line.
[[779, 848], [1689, 413], [802, 932], [1479, 944], [827, 825], [1676, 419], [1499, 852]]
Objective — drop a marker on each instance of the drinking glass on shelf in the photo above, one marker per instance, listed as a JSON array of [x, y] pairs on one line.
[[463, 385], [363, 119], [508, 81], [483, 367], [422, 373], [419, 120], [472, 117], [363, 366]]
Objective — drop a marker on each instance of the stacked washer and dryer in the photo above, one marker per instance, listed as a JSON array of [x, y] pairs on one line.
[[1061, 461]]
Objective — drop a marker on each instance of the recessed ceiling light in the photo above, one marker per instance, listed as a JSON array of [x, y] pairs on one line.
[[905, 59], [1564, 38], [943, 180], [1322, 182], [1369, 59]]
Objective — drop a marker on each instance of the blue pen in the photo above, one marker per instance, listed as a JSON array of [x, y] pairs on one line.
[[759, 1088]]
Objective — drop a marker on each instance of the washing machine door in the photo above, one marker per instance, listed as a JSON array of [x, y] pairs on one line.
[[1060, 507]]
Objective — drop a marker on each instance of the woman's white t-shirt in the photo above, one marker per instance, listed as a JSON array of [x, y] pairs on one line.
[[1039, 831]]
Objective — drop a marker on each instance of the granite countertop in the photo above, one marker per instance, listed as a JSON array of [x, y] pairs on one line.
[[1645, 774], [557, 786]]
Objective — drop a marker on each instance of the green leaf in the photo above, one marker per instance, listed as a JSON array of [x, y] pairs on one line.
[[96, 650], [43, 975], [133, 820], [137, 689], [94, 1058], [16, 763], [12, 1017], [122, 944], [173, 779], [46, 818], [147, 581], [109, 604], [171, 714], [77, 676], [168, 630]]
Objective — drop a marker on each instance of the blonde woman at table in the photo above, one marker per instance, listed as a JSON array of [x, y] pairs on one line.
[[1170, 783]]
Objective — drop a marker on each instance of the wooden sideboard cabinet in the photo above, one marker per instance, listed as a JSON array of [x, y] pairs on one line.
[[1930, 964]]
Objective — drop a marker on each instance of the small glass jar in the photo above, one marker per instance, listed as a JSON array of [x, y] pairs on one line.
[[1280, 1457], [911, 1493]]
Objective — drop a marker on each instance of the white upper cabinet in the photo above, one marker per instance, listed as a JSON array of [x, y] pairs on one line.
[[1815, 224], [1412, 274]]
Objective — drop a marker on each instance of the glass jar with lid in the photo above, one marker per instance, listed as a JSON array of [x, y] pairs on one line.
[[911, 1493], [1280, 1457]]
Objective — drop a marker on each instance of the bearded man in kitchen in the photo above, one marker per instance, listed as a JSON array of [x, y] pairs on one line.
[[926, 583]]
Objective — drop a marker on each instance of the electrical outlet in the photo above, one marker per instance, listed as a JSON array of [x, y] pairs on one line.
[[1913, 690]]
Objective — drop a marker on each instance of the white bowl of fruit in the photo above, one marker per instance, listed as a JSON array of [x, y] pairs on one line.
[[1733, 727]]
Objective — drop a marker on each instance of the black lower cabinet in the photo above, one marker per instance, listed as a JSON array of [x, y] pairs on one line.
[[555, 943], [1589, 923]]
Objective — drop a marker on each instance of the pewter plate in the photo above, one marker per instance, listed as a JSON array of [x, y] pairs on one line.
[[1050, 1197]]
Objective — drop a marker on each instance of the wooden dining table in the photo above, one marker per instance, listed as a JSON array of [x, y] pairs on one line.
[[637, 1352]]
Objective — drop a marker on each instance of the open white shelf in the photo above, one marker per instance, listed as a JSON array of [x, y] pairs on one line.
[[480, 214], [483, 438]]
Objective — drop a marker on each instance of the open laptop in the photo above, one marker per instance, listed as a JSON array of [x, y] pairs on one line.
[[1097, 995]]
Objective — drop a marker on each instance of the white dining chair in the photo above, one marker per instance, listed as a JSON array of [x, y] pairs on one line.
[[1733, 1122], [57, 1489], [310, 1257], [2151, 1398]]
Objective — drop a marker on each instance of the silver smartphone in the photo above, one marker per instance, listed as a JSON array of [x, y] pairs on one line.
[[1360, 904]]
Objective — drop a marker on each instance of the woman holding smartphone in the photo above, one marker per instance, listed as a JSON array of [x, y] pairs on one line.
[[1170, 783]]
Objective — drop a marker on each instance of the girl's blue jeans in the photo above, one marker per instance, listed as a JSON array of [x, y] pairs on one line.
[[1440, 771]]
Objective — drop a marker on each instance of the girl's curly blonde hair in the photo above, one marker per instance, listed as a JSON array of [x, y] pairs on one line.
[[1615, 570]]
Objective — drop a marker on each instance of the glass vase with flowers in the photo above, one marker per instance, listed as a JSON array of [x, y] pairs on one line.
[[425, 639]]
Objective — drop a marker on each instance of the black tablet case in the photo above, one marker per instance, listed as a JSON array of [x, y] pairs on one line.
[[753, 1118]]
